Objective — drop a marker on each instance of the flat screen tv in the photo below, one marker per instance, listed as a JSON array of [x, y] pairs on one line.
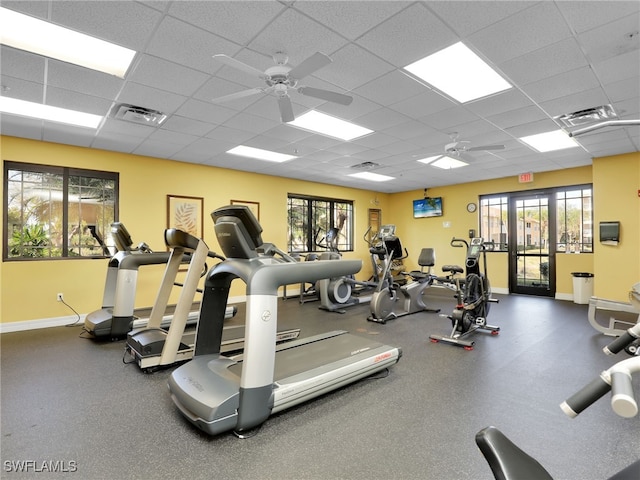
[[610, 232], [427, 207]]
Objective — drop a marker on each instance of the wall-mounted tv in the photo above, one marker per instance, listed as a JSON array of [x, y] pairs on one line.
[[427, 207], [609, 233]]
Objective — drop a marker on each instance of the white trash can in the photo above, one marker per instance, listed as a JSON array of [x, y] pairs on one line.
[[582, 287]]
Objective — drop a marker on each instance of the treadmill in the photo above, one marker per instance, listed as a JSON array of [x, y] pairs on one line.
[[118, 316], [154, 347], [218, 393]]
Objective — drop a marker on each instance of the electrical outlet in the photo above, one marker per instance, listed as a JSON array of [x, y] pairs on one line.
[[59, 297]]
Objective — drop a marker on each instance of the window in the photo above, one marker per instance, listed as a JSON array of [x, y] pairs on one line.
[[310, 218], [573, 213], [57, 212], [494, 220], [574, 223]]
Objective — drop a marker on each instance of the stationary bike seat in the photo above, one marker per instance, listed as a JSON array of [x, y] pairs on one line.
[[452, 269]]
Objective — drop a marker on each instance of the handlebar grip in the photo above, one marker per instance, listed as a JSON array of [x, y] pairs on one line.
[[623, 401], [619, 343], [588, 395]]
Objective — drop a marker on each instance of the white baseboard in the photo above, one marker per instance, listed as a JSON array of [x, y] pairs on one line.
[[62, 321], [40, 323], [564, 296]]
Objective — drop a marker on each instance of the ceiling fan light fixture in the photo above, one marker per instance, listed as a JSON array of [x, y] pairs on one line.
[[44, 38], [330, 126], [374, 177], [447, 163], [260, 154], [459, 73], [550, 141]]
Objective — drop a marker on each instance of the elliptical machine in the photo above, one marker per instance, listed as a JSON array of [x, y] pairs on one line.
[[392, 300], [338, 293], [473, 293]]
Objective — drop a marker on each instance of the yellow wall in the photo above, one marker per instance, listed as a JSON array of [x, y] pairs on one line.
[[617, 183], [432, 232], [28, 289]]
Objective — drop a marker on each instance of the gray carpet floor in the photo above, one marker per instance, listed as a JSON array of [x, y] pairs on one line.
[[69, 403]]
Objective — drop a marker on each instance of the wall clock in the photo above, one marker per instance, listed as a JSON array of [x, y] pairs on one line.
[[471, 207]]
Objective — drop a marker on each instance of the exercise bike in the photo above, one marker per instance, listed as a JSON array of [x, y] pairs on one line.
[[392, 300], [473, 293]]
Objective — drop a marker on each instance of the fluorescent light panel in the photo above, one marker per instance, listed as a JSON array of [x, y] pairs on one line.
[[550, 141], [328, 125], [38, 36], [47, 112], [258, 153], [447, 163], [459, 73], [430, 159], [374, 177]]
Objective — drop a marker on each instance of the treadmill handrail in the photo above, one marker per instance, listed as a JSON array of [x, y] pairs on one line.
[[265, 279]]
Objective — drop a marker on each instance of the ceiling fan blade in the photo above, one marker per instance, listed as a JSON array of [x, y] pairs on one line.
[[286, 109], [326, 95], [310, 65], [241, 94], [237, 64], [485, 147]]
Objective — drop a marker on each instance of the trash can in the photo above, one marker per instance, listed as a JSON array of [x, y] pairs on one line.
[[582, 287]]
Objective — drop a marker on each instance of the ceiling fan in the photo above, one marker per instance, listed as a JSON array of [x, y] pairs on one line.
[[459, 148], [281, 78]]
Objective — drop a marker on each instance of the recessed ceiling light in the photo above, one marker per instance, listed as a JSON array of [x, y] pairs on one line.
[[374, 177], [550, 141], [459, 73], [447, 163], [260, 154], [47, 112], [429, 159], [328, 125], [38, 36]]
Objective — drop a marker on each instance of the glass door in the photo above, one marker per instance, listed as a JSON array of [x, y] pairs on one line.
[[531, 255]]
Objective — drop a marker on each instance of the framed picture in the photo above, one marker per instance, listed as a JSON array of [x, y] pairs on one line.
[[186, 214], [253, 206]]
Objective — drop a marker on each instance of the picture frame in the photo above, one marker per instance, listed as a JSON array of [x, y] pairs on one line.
[[253, 206], [186, 213]]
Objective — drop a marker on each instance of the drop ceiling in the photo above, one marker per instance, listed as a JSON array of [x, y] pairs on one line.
[[560, 56]]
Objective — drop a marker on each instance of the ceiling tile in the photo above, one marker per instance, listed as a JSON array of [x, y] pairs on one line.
[[527, 30], [583, 16], [298, 36], [164, 75], [237, 21], [352, 67], [546, 62], [408, 36], [124, 23], [168, 42], [350, 18], [613, 39], [467, 17]]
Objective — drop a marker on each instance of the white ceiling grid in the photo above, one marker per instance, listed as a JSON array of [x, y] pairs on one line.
[[561, 56]]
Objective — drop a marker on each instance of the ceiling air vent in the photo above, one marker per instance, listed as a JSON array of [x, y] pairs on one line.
[[140, 115], [590, 115], [365, 166]]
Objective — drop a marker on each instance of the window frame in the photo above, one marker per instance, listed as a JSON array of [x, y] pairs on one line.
[[66, 173], [308, 222], [504, 202]]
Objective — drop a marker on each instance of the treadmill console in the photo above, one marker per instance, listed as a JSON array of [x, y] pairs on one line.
[[238, 231]]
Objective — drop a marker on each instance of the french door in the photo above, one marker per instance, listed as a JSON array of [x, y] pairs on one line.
[[531, 253]]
